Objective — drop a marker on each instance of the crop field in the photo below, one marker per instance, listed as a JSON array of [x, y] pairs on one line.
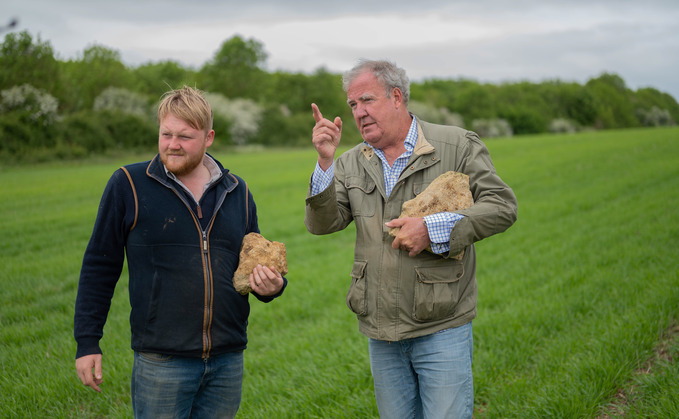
[[578, 306]]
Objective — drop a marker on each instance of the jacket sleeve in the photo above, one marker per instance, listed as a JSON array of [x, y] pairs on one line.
[[330, 210], [495, 205], [103, 263], [253, 227]]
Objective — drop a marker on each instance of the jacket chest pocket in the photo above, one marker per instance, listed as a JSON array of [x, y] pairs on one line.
[[425, 179], [362, 195], [437, 291]]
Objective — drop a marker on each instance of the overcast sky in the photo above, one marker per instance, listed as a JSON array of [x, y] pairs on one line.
[[488, 41]]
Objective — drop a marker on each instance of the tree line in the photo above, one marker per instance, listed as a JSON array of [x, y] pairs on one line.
[[53, 108]]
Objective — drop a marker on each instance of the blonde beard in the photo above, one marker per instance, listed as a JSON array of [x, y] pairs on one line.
[[187, 166]]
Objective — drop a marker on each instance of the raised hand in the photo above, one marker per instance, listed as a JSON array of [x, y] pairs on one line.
[[326, 137]]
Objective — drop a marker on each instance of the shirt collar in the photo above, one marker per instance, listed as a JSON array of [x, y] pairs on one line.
[[411, 138], [212, 167]]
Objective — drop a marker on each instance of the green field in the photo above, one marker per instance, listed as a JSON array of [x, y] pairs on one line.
[[578, 301]]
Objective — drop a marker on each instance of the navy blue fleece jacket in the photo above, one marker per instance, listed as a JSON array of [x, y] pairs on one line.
[[181, 258]]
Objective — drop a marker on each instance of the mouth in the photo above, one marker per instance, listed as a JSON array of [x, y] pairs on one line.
[[367, 124]]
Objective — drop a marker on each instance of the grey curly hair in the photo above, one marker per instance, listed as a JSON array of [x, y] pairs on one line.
[[387, 73]]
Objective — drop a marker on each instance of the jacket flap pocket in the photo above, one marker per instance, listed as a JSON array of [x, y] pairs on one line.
[[359, 269], [419, 187], [451, 272], [365, 184]]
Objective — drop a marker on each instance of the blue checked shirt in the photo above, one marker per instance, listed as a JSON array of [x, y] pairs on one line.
[[439, 225]]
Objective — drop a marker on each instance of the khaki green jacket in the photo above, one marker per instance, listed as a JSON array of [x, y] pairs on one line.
[[395, 296]]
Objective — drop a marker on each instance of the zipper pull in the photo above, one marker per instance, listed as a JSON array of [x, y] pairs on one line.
[[200, 212], [204, 242]]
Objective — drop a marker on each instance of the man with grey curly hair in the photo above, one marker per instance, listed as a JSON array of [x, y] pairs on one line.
[[414, 295]]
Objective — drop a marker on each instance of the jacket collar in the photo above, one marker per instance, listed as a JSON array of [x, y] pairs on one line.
[[424, 154], [156, 170], [422, 146]]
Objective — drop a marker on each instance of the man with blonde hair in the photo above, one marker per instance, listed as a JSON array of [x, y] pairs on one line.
[[180, 219]]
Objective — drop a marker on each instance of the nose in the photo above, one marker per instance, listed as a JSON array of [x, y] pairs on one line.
[[174, 143], [360, 111]]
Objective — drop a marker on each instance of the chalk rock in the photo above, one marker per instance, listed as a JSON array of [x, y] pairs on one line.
[[447, 193], [256, 250]]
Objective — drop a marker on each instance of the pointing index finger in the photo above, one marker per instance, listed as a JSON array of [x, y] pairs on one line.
[[317, 112]]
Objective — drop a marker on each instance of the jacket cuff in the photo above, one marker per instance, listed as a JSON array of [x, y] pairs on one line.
[[87, 346], [269, 298], [460, 236]]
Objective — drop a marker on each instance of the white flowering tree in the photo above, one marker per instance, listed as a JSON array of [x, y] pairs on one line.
[[435, 115], [244, 115], [118, 99], [494, 127], [39, 106], [655, 117]]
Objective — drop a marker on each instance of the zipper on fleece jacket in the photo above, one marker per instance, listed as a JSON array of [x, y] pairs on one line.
[[207, 309], [207, 272], [207, 275]]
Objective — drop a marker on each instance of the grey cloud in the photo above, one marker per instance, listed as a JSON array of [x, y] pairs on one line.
[[636, 40]]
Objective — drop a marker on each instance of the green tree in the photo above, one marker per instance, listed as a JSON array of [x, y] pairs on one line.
[[98, 68], [86, 133], [293, 90], [438, 93], [579, 105], [475, 101], [280, 128], [127, 130], [28, 119], [154, 79], [236, 69], [23, 61], [328, 94], [525, 106], [613, 108], [297, 91], [648, 99]]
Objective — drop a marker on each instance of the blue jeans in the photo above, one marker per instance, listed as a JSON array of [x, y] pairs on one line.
[[426, 377], [174, 387]]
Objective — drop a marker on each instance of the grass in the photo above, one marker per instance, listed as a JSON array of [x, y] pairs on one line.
[[578, 301]]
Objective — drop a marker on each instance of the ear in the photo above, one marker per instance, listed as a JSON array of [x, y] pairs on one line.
[[397, 96], [210, 138]]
